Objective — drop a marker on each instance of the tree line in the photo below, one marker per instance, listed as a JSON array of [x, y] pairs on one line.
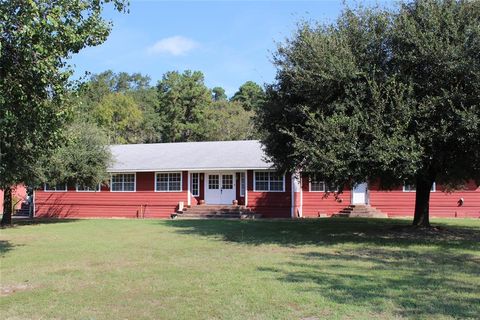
[[179, 108]]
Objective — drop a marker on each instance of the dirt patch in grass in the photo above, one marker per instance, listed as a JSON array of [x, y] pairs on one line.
[[11, 289]]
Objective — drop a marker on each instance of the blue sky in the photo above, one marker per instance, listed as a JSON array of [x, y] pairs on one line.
[[231, 42]]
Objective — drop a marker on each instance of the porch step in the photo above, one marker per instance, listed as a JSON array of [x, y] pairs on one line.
[[23, 211], [217, 212], [360, 211]]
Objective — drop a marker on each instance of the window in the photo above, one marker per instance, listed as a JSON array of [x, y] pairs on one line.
[[317, 185], [194, 178], [242, 184], [123, 182], [412, 187], [269, 181], [55, 187], [213, 181], [227, 181], [84, 188], [168, 182]]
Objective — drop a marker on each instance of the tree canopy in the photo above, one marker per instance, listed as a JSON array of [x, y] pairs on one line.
[[189, 111], [250, 95], [179, 108], [37, 39], [386, 95], [182, 98], [82, 158]]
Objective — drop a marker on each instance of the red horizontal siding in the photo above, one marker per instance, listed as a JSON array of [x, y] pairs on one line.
[[73, 204], [144, 202], [442, 204], [397, 203], [270, 204], [317, 203]]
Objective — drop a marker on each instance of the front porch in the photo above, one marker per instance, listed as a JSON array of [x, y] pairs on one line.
[[216, 212], [217, 188]]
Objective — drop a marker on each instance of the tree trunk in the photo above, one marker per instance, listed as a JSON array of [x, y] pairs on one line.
[[7, 207], [422, 201]]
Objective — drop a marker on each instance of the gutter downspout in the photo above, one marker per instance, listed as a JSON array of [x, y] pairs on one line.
[[189, 192], [246, 189]]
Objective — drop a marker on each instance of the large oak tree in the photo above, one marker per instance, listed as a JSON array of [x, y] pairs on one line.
[[37, 39], [388, 95]]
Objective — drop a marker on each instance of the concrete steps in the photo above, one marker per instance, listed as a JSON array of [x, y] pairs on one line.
[[360, 211], [216, 212]]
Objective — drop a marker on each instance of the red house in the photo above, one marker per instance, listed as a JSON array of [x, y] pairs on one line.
[[157, 180], [19, 196]]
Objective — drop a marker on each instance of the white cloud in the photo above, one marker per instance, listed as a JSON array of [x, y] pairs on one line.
[[175, 46]]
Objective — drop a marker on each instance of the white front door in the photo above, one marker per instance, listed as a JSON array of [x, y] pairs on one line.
[[220, 188], [359, 193]]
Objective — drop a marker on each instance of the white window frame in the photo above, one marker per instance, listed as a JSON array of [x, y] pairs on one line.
[[54, 190], [191, 182], [243, 185], [434, 188], [321, 181], [176, 172], [123, 183], [326, 186], [269, 171], [98, 189]]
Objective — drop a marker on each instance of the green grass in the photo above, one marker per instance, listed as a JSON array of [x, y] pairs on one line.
[[159, 269]]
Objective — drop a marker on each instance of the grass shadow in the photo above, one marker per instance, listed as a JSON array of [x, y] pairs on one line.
[[367, 262], [38, 221], [5, 246], [420, 285], [327, 232]]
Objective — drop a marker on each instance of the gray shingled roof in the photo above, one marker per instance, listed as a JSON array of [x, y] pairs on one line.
[[188, 156]]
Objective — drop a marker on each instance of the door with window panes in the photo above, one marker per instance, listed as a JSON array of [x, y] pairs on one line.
[[220, 188]]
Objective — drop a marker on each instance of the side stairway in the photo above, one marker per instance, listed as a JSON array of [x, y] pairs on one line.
[[216, 212], [360, 211]]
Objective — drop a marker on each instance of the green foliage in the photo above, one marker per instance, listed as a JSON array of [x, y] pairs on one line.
[[82, 158], [102, 84], [386, 95], [179, 108], [250, 95], [189, 111], [37, 39], [218, 94], [225, 120], [120, 116], [182, 99], [122, 104]]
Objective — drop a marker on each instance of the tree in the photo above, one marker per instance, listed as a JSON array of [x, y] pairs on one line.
[[182, 99], [123, 86], [382, 95], [37, 39], [225, 120], [250, 95], [120, 116], [218, 94], [82, 158]]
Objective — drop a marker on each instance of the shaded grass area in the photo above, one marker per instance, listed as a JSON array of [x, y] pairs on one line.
[[205, 269]]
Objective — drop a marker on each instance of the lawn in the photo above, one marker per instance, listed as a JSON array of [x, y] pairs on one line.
[[199, 269]]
